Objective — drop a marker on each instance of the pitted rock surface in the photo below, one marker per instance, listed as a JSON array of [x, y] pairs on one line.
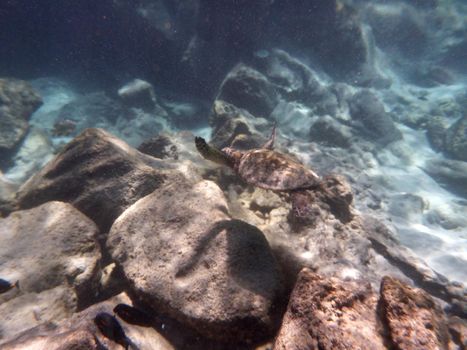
[[183, 254], [48, 246], [414, 320], [18, 100], [97, 173], [329, 313], [236, 127]]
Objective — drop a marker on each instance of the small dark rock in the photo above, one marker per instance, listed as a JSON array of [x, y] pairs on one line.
[[160, 146], [371, 119], [247, 88], [456, 140]]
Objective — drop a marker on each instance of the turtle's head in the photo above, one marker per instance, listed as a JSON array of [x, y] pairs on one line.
[[213, 154], [234, 155]]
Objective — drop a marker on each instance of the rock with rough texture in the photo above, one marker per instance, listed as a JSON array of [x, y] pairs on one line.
[[48, 246], [371, 119], [32, 309], [456, 140], [450, 174], [236, 127], [247, 88], [160, 146], [97, 173], [182, 254], [329, 313], [18, 100], [413, 318], [80, 332]]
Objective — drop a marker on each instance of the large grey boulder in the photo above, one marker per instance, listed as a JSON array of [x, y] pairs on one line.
[[18, 100], [182, 254], [49, 246], [97, 173]]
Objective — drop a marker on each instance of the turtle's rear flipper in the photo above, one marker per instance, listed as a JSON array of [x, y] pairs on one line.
[[270, 143]]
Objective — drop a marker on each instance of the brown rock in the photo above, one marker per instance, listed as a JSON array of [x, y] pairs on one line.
[[98, 174], [329, 313], [184, 256], [414, 320]]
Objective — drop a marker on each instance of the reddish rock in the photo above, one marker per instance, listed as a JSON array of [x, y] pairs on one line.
[[413, 318], [328, 313]]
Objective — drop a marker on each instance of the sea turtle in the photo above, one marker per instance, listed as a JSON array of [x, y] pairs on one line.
[[268, 169]]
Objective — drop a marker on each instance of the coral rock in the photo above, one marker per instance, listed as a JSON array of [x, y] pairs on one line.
[[329, 313], [413, 318]]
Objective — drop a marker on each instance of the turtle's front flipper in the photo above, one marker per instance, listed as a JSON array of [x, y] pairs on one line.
[[211, 153], [270, 143]]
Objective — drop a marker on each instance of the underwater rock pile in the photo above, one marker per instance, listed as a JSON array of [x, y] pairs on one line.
[[105, 244], [203, 262]]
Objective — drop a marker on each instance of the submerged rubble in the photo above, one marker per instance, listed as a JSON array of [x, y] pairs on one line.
[[213, 261]]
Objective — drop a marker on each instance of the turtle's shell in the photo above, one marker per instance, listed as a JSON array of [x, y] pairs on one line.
[[274, 171]]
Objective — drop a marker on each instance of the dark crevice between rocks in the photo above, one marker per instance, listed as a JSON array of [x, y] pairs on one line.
[[86, 300], [383, 325]]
